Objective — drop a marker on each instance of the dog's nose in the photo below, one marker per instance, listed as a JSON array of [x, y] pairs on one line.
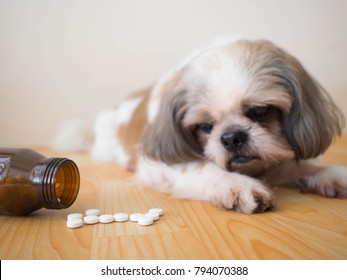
[[234, 140]]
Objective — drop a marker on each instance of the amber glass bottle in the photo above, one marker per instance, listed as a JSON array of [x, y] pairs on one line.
[[30, 181]]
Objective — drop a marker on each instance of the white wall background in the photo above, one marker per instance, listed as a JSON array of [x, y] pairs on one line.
[[72, 58]]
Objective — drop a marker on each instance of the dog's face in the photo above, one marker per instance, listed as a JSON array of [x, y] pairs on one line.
[[246, 106]]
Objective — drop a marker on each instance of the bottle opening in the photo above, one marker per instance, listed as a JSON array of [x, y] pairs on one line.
[[66, 183], [61, 183]]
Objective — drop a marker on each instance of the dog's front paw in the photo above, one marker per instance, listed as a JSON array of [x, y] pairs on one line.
[[249, 196], [329, 182]]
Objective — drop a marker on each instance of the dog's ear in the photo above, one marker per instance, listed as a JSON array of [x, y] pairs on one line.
[[314, 119], [166, 139]]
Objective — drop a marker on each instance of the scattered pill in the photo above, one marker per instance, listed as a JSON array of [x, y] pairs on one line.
[[156, 210], [135, 217], [74, 216], [74, 223], [91, 219], [154, 216], [92, 212], [106, 218], [145, 221], [121, 217], [76, 220]]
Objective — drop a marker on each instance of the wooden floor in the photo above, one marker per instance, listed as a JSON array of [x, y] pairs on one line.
[[303, 227]]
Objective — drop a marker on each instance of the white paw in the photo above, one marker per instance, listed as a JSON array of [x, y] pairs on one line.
[[248, 196], [329, 182]]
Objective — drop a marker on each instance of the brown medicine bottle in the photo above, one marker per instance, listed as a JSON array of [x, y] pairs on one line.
[[30, 181]]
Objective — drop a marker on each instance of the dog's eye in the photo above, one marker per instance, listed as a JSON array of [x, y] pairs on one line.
[[259, 114], [205, 127]]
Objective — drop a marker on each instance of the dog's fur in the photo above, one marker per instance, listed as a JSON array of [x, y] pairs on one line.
[[227, 124]]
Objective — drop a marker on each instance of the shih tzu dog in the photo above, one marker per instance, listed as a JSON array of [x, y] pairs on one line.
[[226, 125]]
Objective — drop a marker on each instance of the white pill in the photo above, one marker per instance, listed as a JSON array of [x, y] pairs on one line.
[[74, 223], [74, 216], [92, 212], [106, 218], [135, 217], [91, 219], [156, 210], [154, 216], [121, 217], [145, 221]]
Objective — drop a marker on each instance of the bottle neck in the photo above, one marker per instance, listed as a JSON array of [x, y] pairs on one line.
[[60, 183]]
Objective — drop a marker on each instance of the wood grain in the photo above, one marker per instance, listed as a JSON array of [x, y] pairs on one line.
[[304, 226]]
